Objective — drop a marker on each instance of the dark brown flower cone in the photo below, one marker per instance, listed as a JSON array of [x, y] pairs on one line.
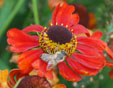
[[34, 82]]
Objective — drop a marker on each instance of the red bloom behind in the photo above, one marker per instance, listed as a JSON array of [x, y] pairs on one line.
[[83, 54]]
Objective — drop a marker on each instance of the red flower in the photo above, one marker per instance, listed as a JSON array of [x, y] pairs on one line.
[[27, 81], [109, 63], [87, 19], [111, 74], [83, 13], [64, 41]]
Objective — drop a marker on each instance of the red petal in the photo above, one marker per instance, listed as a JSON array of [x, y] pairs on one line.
[[111, 74], [109, 52], [77, 67], [36, 64], [60, 12], [87, 50], [79, 29], [26, 59], [55, 14], [109, 64], [20, 41], [74, 20], [93, 62], [33, 28], [41, 66], [15, 73], [97, 35], [95, 43], [67, 73], [64, 14]]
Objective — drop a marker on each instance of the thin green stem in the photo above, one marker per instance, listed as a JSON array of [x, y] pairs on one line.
[[16, 85], [35, 11], [11, 16]]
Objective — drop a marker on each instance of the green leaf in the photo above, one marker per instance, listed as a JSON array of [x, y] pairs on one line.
[[7, 14], [4, 60]]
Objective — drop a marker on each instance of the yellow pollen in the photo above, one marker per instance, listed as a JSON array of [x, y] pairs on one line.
[[47, 44], [66, 26], [84, 71], [56, 23], [45, 27], [51, 24], [72, 30], [75, 36], [61, 24]]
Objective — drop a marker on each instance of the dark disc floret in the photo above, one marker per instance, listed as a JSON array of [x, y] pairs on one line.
[[34, 82], [59, 34]]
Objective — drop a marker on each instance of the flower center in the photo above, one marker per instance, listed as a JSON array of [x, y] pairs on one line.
[[34, 82], [57, 38], [59, 34]]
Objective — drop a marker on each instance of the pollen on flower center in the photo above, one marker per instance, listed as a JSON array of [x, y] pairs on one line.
[[59, 34], [57, 38]]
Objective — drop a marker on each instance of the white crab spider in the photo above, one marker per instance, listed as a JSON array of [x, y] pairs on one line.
[[53, 59]]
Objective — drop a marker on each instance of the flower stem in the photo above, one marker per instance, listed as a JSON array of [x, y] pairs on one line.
[[11, 16], [16, 85], [35, 11]]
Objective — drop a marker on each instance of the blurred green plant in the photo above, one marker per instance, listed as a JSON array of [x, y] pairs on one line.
[[9, 16], [21, 13]]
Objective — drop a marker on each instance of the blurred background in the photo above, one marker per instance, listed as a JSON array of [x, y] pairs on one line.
[[94, 14]]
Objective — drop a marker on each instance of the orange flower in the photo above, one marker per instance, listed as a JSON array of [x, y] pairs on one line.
[[92, 21], [3, 79], [83, 13], [1, 3], [59, 86], [53, 3], [87, 19]]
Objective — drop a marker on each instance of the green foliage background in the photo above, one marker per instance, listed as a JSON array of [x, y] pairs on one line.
[[22, 13]]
